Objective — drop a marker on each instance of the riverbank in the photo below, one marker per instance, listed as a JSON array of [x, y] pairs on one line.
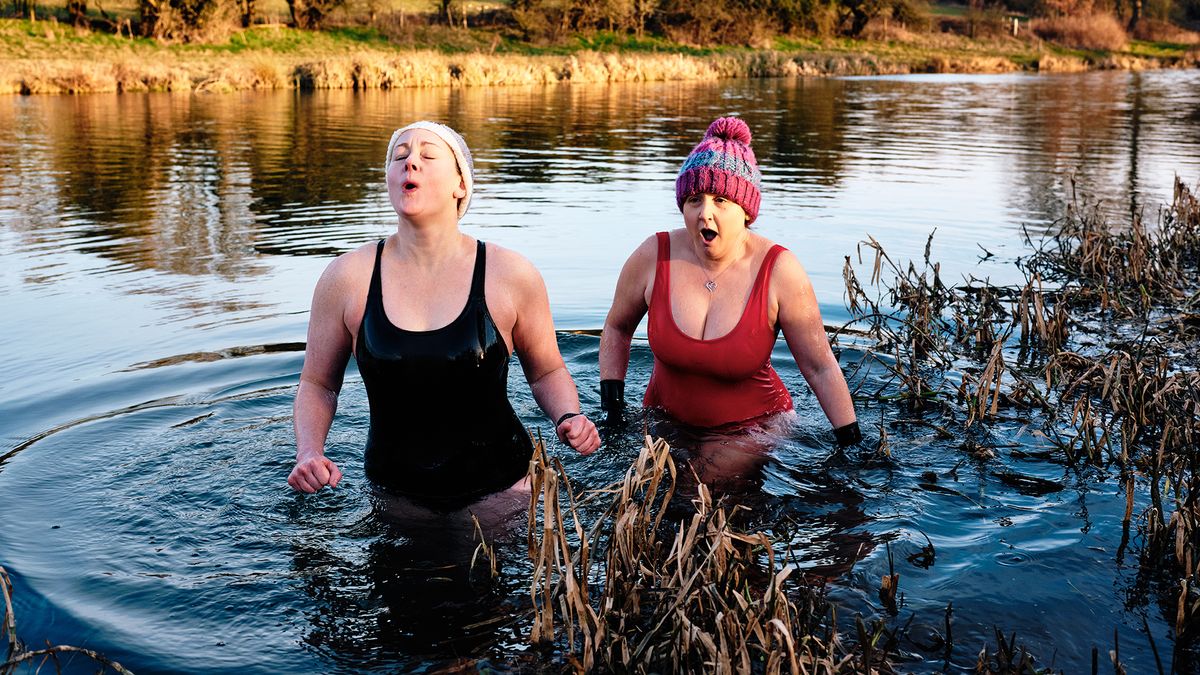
[[47, 57]]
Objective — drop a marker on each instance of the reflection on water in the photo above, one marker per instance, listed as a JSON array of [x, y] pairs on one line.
[[205, 185], [408, 594], [157, 253]]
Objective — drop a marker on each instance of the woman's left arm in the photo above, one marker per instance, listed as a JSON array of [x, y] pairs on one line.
[[800, 319], [534, 340]]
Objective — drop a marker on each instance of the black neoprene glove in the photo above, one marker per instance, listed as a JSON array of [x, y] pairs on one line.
[[847, 435], [612, 395]]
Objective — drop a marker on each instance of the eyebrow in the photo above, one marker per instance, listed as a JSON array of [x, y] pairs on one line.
[[408, 146]]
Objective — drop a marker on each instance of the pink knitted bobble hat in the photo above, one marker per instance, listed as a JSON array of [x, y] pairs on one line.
[[723, 164]]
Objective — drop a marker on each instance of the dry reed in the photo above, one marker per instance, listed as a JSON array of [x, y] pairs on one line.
[[1134, 402], [376, 69], [1157, 30], [696, 596], [1089, 31]]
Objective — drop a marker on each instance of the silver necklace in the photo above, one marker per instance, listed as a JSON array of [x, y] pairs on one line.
[[711, 282]]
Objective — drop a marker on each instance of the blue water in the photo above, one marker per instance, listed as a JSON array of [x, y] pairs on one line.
[[157, 255]]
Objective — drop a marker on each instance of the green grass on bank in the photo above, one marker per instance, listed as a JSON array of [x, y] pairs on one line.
[[1159, 50], [284, 40], [917, 48], [25, 39]]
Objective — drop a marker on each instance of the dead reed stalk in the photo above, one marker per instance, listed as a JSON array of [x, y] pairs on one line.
[[699, 596], [1128, 394]]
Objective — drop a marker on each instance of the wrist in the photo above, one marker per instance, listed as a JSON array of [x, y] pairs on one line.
[[306, 455], [612, 395], [847, 434], [564, 417]]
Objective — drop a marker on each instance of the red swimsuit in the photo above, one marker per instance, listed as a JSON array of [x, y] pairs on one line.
[[710, 383]]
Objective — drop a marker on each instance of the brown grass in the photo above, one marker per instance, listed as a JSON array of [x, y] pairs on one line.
[[1156, 30], [1091, 31], [380, 70]]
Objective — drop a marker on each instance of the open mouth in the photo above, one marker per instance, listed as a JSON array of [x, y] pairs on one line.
[[708, 234], [410, 186]]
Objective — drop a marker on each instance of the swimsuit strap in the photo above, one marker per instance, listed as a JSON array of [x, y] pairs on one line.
[[758, 292], [763, 280], [664, 246], [662, 272], [375, 292], [477, 276]]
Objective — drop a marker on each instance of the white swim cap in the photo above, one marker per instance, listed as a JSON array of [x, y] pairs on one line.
[[462, 155]]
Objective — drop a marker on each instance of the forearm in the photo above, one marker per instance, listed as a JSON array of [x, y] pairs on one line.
[[833, 394], [555, 393], [312, 416], [614, 364], [614, 352]]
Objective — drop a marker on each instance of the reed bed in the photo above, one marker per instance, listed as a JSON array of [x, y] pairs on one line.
[[697, 595], [389, 70], [370, 69], [1097, 349]]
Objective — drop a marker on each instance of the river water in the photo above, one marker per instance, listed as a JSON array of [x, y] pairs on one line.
[[157, 255]]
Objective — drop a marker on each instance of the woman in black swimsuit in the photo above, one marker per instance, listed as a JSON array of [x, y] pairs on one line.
[[431, 316]]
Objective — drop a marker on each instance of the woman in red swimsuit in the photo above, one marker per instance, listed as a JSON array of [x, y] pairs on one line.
[[718, 294]]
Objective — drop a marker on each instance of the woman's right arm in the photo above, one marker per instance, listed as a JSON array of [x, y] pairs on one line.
[[628, 308], [325, 358]]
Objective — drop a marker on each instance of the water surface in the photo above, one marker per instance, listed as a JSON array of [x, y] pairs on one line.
[[157, 255]]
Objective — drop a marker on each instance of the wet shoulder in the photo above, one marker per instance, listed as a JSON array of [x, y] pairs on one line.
[[344, 284], [645, 255], [642, 263], [788, 281], [512, 285], [786, 271], [512, 280], [508, 266], [352, 268]]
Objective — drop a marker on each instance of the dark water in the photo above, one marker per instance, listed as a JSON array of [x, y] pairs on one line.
[[157, 253]]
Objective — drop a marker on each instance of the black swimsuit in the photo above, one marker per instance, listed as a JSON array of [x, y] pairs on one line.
[[442, 429]]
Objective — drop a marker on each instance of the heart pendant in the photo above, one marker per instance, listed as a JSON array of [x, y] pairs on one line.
[[710, 285]]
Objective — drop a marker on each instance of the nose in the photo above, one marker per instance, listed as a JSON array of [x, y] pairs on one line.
[[411, 162], [706, 209]]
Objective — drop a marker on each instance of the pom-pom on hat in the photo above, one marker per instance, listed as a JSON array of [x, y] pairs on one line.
[[462, 155], [723, 164]]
